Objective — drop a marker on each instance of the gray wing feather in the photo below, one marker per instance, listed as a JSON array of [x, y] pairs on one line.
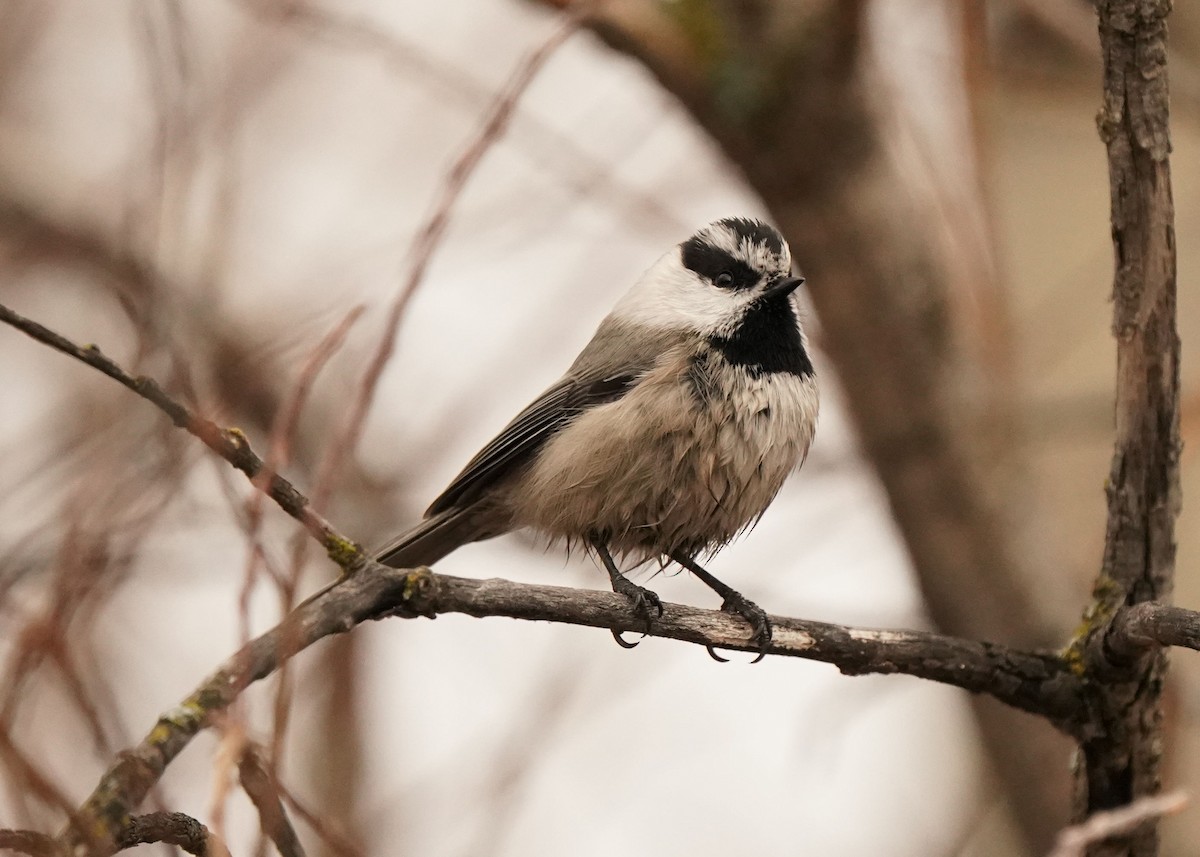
[[611, 364], [529, 431]]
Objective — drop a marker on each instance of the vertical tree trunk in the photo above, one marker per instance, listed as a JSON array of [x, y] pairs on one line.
[[1121, 761]]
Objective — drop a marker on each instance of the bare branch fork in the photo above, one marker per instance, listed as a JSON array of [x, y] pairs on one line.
[[1121, 761], [1045, 684]]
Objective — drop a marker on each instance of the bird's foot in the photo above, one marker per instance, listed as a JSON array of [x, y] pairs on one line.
[[760, 623], [644, 602]]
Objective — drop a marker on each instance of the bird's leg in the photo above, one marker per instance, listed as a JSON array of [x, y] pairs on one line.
[[734, 602], [642, 599]]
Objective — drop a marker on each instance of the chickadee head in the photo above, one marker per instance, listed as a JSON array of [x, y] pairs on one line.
[[709, 282]]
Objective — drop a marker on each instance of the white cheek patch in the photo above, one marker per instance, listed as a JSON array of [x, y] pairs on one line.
[[672, 297]]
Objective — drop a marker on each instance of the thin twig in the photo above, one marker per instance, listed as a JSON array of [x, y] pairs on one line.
[[278, 457], [231, 724], [33, 781], [1074, 840], [260, 785], [429, 236], [1151, 625], [228, 443], [332, 835], [173, 828], [30, 842], [282, 434]]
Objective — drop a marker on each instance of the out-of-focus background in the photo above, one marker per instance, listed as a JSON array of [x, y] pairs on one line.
[[206, 189]]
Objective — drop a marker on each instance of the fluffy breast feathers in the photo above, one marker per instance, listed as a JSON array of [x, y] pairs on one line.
[[691, 455]]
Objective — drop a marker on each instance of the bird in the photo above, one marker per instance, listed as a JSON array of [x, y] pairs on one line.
[[667, 437]]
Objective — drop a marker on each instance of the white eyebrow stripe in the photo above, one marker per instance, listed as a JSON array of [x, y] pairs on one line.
[[759, 256]]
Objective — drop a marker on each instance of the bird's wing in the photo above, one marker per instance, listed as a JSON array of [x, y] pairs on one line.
[[529, 431]]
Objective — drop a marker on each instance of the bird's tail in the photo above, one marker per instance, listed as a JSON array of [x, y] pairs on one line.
[[432, 539], [424, 544]]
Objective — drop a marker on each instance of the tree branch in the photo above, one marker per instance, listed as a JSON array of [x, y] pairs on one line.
[[1038, 683], [173, 828], [1035, 682], [30, 842], [1148, 626], [229, 443]]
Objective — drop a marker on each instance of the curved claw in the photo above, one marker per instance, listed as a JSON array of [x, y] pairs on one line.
[[712, 653], [763, 633], [757, 618], [733, 602], [622, 642]]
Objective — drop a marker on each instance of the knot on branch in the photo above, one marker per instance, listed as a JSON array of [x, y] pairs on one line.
[[420, 592], [412, 595]]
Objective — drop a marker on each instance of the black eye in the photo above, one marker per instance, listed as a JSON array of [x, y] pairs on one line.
[[724, 279]]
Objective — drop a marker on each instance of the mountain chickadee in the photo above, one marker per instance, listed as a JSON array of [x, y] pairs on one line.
[[671, 432]]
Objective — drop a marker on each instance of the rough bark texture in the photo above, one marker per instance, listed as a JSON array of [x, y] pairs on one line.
[[1121, 759], [1148, 626], [172, 828]]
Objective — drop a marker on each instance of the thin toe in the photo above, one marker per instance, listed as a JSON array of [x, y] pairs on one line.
[[644, 602]]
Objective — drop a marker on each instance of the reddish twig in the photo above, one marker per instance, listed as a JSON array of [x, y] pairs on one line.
[[578, 168], [30, 842], [228, 443], [260, 784], [426, 241], [336, 840], [282, 434]]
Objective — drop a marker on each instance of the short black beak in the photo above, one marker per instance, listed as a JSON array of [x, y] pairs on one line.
[[783, 286]]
